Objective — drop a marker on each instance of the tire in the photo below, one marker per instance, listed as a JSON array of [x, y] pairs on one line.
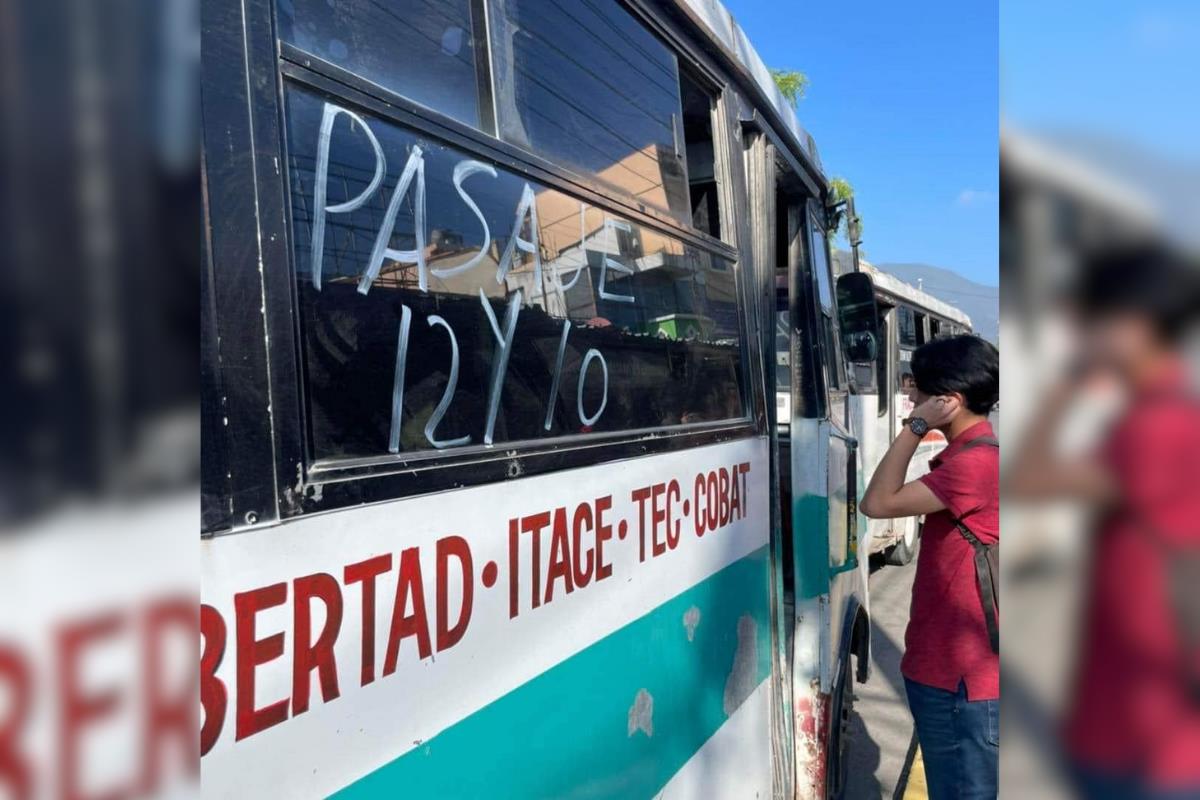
[[840, 711], [903, 550]]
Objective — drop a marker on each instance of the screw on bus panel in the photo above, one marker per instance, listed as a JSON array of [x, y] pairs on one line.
[[251, 517]]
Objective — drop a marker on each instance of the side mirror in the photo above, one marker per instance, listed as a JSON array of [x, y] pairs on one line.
[[858, 316]]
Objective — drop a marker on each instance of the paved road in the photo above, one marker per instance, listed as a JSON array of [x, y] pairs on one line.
[[881, 728]]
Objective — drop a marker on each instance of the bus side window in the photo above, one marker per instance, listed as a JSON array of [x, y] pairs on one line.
[[416, 49], [920, 329], [698, 107], [881, 365], [906, 335], [588, 86], [446, 301], [907, 332], [831, 355]]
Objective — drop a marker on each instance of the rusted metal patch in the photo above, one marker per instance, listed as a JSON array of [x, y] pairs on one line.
[[812, 713]]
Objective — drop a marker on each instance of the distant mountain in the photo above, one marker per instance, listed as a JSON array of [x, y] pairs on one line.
[[979, 302]]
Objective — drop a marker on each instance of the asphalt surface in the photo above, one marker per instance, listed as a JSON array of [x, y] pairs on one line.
[[881, 728]]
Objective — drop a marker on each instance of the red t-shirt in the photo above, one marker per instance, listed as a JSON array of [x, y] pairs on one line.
[[947, 640], [1131, 710]]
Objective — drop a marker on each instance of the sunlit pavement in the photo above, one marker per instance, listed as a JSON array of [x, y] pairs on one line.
[[881, 730]]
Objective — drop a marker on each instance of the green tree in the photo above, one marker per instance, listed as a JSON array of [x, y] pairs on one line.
[[792, 84], [840, 191]]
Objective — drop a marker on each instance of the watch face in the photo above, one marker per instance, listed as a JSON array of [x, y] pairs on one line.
[[918, 426]]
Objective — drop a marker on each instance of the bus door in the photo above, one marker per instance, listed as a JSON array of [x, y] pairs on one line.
[[846, 333], [824, 597]]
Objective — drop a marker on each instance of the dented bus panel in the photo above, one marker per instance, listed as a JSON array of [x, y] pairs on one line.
[[497, 497]]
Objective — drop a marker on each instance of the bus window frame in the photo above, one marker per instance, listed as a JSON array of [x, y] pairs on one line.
[[835, 389], [884, 362], [259, 380]]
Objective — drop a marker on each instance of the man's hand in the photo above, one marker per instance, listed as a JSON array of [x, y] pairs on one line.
[[938, 411]]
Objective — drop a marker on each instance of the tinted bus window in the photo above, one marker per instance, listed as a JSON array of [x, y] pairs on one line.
[[698, 108], [881, 365], [585, 84], [907, 326], [446, 302], [825, 299], [422, 49]]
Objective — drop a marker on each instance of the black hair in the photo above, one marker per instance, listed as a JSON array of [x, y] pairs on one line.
[[965, 364], [1147, 280]]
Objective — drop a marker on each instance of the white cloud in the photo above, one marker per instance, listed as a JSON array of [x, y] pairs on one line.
[[975, 197]]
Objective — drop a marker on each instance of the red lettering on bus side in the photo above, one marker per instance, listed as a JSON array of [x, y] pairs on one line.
[[252, 653], [307, 655], [167, 716], [735, 496], [673, 525], [365, 572], [583, 516], [514, 563], [743, 471], [415, 624], [640, 496], [533, 524], [213, 695], [78, 709], [723, 496], [456, 547], [15, 771], [658, 516], [560, 556], [603, 534], [712, 507]]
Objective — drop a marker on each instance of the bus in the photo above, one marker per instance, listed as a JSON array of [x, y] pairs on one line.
[[908, 317], [495, 501]]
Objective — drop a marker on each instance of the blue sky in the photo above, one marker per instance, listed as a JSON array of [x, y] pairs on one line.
[[1124, 69], [903, 103]]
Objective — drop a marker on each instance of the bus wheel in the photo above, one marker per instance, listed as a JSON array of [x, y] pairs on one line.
[[905, 548], [837, 767]]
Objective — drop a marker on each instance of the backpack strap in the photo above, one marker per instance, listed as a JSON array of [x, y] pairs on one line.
[[987, 589], [983, 571]]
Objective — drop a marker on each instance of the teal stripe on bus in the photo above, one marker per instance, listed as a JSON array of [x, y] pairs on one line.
[[810, 545], [566, 733]]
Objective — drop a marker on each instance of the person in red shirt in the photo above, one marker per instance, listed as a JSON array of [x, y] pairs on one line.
[[951, 672], [1132, 728]]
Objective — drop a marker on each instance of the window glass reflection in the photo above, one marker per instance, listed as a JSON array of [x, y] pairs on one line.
[[523, 313], [421, 49], [585, 83]]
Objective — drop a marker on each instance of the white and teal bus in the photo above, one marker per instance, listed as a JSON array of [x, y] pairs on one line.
[[495, 501], [908, 317]]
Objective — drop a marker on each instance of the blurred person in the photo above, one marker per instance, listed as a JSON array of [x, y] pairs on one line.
[[1132, 728], [951, 665]]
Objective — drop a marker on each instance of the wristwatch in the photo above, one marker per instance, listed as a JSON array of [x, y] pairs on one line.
[[918, 426]]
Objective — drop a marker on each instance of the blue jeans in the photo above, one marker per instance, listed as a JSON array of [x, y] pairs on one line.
[[960, 741]]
